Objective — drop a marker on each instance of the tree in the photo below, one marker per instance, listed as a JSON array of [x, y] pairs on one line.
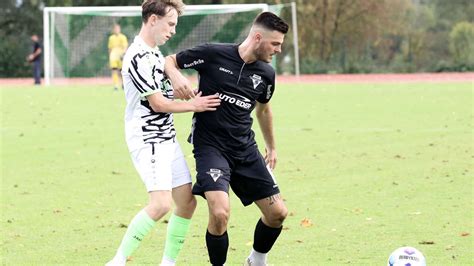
[[461, 43], [334, 35]]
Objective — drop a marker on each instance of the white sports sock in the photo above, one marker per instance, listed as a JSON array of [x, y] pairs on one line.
[[119, 259], [167, 262], [256, 258]]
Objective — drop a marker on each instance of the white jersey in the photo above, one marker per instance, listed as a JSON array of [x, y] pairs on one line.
[[143, 75]]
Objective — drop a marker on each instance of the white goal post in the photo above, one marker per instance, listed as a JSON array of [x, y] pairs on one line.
[[75, 38]]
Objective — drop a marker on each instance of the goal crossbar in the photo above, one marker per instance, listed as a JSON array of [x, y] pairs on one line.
[[49, 14]]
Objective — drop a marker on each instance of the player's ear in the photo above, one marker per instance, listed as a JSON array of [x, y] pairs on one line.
[[258, 37], [152, 19]]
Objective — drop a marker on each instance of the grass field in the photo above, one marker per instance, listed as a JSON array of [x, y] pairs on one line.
[[371, 167]]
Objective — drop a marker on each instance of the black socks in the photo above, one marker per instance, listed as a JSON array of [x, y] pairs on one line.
[[265, 237], [217, 248]]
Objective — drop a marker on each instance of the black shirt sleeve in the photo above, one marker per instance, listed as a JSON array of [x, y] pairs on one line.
[[195, 58], [268, 91]]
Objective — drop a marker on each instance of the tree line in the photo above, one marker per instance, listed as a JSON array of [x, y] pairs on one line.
[[335, 36]]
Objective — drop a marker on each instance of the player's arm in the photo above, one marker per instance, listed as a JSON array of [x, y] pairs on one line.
[[181, 85], [142, 75], [35, 54], [110, 44], [264, 116], [124, 44], [198, 104], [197, 58]]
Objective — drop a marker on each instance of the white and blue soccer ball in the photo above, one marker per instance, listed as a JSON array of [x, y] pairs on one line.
[[406, 256]]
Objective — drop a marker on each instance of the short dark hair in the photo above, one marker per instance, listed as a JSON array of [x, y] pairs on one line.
[[160, 8], [270, 21]]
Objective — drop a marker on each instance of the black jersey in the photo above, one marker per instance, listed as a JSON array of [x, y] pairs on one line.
[[239, 85], [36, 46]]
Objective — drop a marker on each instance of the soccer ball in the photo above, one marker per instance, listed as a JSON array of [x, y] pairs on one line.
[[406, 256]]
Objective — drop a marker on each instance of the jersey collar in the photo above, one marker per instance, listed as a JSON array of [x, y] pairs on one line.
[[143, 44], [236, 50]]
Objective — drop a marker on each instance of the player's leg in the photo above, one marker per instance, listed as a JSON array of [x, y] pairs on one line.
[[116, 78], [158, 205], [217, 239], [178, 225], [37, 71], [155, 171], [114, 64], [119, 73], [268, 228], [212, 182], [254, 182]]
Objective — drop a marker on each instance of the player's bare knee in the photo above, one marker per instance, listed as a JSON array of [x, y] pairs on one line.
[[192, 204], [188, 206], [282, 214], [219, 218], [217, 227], [158, 210], [278, 216]]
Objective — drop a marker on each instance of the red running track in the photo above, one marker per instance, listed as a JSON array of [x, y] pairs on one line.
[[315, 79]]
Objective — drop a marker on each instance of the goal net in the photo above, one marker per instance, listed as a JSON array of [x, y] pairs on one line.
[[76, 38]]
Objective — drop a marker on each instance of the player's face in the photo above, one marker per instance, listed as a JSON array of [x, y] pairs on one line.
[[268, 45], [116, 29], [165, 27]]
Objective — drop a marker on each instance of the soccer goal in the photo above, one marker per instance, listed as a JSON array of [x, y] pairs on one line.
[[75, 38]]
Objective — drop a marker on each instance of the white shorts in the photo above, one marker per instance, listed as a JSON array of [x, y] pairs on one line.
[[163, 170]]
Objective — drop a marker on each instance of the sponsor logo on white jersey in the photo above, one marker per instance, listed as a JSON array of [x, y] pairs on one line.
[[214, 173], [226, 70], [236, 99], [194, 63], [256, 80]]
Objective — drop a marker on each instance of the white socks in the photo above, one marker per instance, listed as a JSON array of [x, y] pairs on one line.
[[257, 259], [118, 260], [167, 262]]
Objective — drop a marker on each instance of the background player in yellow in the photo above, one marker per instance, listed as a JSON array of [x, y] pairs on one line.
[[117, 46]]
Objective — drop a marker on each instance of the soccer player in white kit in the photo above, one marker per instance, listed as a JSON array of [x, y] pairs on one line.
[[150, 133]]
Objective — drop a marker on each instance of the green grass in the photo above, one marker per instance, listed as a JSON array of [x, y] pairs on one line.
[[373, 167]]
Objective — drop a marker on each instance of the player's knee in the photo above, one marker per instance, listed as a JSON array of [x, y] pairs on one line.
[[218, 224], [192, 203], [283, 214], [220, 217], [188, 206], [159, 209], [279, 215]]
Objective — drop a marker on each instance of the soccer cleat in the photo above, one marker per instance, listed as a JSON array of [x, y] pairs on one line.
[[167, 262], [248, 262], [115, 262]]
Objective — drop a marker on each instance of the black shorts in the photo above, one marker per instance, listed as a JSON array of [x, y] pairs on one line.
[[249, 177]]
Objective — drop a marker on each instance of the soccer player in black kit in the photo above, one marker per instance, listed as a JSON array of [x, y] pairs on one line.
[[224, 146]]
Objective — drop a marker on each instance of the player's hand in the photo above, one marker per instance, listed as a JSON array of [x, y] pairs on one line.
[[30, 58], [205, 103], [182, 88], [270, 158]]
